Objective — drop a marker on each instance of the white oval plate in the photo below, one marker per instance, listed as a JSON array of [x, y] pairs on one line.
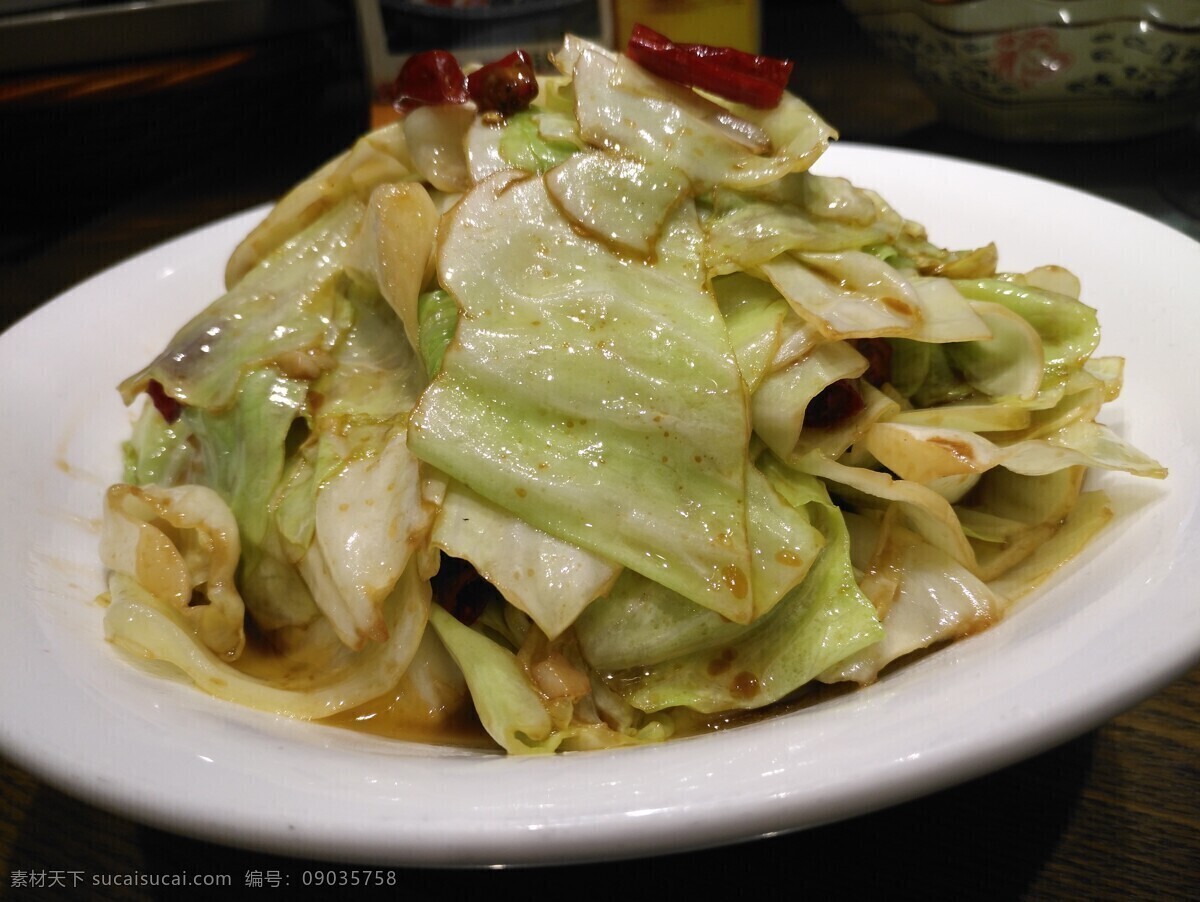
[[1115, 626]]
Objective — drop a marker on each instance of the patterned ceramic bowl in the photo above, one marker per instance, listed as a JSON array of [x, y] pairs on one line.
[[1071, 70]]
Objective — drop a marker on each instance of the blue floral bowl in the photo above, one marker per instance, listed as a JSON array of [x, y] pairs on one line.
[[1071, 70]]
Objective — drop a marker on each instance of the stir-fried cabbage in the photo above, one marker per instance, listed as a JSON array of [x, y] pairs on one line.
[[696, 428]]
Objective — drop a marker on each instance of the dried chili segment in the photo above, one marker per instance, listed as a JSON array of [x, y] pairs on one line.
[[168, 407], [458, 587], [757, 81], [430, 77], [836, 402], [878, 352], [506, 85]]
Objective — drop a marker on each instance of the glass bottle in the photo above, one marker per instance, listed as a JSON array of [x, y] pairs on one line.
[[726, 23]]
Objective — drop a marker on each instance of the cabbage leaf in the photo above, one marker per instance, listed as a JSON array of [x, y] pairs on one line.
[[596, 398]]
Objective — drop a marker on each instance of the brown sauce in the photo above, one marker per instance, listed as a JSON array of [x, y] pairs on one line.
[[385, 716], [690, 723], [390, 717]]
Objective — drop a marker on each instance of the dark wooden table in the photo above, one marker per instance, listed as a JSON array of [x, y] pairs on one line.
[[1113, 814]]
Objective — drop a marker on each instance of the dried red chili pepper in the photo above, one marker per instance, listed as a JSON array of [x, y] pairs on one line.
[[163, 403], [506, 85], [878, 352], [430, 77], [834, 403], [757, 81], [458, 587]]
